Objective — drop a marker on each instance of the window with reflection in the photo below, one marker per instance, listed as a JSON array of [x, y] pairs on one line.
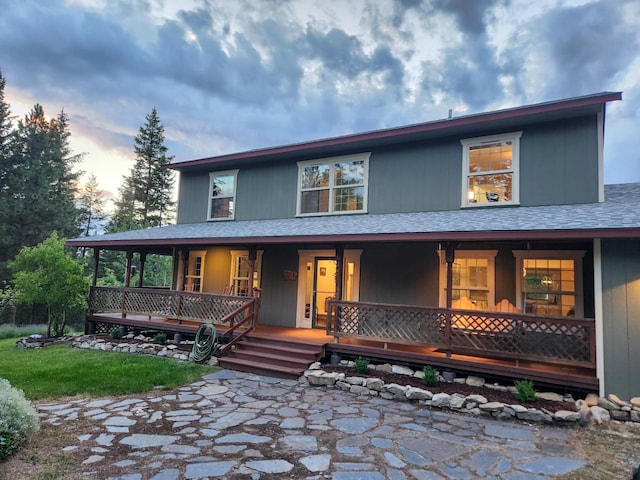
[[490, 168], [222, 195], [334, 185], [550, 282]]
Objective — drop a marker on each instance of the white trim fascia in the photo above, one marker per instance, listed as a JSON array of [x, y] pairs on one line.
[[599, 313], [601, 156]]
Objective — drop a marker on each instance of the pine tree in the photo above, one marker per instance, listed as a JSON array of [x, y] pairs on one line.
[[145, 198], [38, 184], [91, 202], [5, 122]]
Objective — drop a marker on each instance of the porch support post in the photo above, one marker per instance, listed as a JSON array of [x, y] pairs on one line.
[[143, 259], [96, 260], [185, 266], [339, 280], [339, 267], [253, 254], [127, 275], [449, 257], [127, 282]]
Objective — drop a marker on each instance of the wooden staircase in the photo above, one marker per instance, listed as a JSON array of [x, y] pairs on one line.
[[271, 356]]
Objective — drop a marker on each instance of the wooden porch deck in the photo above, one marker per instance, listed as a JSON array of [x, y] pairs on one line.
[[556, 376]]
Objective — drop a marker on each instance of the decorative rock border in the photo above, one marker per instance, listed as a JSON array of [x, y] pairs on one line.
[[591, 409], [142, 345]]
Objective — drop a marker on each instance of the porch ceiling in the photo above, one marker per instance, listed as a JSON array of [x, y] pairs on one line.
[[618, 216]]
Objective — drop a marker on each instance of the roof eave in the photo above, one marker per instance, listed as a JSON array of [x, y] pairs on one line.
[[399, 132], [366, 238]]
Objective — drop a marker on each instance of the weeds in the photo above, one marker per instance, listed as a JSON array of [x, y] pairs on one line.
[[430, 376], [525, 391], [361, 365]]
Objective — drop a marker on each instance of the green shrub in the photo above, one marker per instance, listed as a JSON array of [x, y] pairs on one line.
[[361, 365], [430, 376], [115, 333], [525, 391], [18, 419], [160, 338]]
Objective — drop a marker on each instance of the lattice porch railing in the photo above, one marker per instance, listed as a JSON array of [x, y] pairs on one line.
[[565, 341], [171, 304]]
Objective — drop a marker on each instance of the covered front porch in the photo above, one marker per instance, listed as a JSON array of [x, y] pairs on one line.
[[548, 350]]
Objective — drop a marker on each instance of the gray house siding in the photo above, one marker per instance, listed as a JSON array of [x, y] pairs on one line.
[[558, 165], [193, 197], [621, 316], [262, 193], [279, 296], [416, 178], [267, 192], [402, 274]]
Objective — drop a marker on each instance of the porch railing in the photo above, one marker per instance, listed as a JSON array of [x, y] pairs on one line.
[[237, 314], [565, 341]]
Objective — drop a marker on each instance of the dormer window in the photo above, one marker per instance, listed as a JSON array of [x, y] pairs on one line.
[[222, 195], [490, 170], [335, 185]]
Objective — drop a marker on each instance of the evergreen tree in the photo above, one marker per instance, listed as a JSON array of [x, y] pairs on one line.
[[5, 121], [38, 184], [91, 203], [145, 198]]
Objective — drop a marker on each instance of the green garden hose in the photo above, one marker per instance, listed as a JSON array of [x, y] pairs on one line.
[[203, 346]]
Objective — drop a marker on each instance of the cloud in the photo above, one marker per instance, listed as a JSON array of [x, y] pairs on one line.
[[229, 76], [577, 50]]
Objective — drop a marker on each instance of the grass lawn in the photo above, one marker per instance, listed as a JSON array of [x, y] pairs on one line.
[[60, 371]]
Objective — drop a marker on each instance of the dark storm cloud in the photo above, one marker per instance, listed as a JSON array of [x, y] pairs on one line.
[[584, 47], [267, 73], [470, 72], [344, 54]]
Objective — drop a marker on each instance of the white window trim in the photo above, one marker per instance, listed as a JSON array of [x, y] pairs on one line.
[[235, 254], [190, 278], [331, 161], [490, 255], [575, 255], [514, 138], [226, 173]]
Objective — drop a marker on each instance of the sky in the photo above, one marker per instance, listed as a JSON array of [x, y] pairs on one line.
[[234, 75]]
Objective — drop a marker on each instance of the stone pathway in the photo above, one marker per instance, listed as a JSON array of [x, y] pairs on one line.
[[238, 425]]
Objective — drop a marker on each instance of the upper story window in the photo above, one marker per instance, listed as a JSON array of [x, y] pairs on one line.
[[333, 185], [222, 195], [491, 170]]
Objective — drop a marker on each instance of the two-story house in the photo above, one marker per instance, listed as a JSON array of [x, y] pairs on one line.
[[484, 243]]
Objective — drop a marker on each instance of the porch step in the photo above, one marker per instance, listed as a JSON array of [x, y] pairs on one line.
[[271, 356]]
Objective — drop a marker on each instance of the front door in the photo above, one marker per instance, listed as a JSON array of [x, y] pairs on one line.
[[317, 284], [323, 289]]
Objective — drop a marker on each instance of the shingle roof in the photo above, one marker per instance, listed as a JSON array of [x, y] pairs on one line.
[[618, 216]]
